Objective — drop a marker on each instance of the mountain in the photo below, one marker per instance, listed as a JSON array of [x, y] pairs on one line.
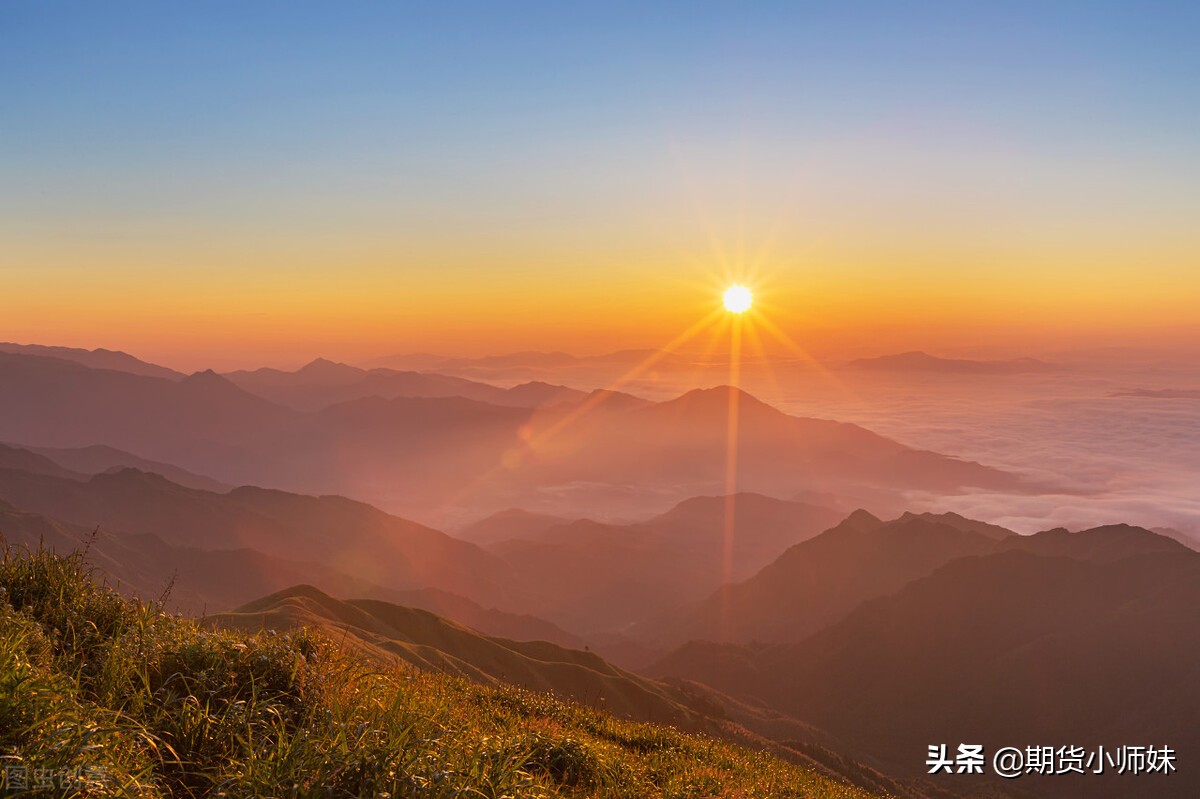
[[389, 632], [682, 446], [95, 359], [145, 565], [508, 524], [202, 580], [201, 422], [1189, 540], [593, 577], [430, 642], [26, 460], [99, 458], [551, 360], [924, 362], [350, 536], [819, 581], [323, 383], [595, 370], [1094, 642], [448, 459], [1101, 544], [489, 621], [117, 682]]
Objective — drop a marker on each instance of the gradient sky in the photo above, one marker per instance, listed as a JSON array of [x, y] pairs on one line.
[[221, 183]]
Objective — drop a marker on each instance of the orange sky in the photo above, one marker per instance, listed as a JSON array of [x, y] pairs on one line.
[[193, 316]]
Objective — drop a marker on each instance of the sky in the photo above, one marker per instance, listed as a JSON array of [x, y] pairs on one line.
[[231, 184]]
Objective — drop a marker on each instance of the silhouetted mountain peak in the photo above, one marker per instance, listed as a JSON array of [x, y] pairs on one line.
[[213, 387], [99, 358], [129, 476], [300, 591], [862, 520], [206, 378], [716, 402], [959, 522], [325, 368], [1107, 543], [918, 361]]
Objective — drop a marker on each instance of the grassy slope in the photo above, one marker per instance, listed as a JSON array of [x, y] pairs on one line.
[[153, 705]]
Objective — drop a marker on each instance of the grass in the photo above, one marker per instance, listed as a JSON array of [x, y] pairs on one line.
[[102, 695]]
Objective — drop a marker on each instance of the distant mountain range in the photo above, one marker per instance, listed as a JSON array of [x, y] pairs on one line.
[[353, 537], [924, 362], [1161, 393], [95, 359], [323, 383], [586, 576], [432, 456]]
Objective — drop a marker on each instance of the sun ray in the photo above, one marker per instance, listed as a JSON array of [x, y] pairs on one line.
[[804, 355], [596, 399], [763, 361], [599, 398], [731, 461]]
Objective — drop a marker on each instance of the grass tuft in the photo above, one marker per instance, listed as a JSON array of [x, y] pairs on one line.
[[102, 695]]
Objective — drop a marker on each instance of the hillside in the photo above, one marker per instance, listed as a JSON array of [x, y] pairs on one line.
[[430, 642], [99, 458], [592, 576], [1094, 642], [138, 703], [350, 536], [818, 581]]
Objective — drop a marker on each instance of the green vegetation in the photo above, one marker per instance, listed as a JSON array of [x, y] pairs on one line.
[[101, 695]]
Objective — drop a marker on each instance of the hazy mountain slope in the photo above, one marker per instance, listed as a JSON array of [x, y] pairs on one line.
[[222, 579], [146, 565], [449, 458], [1002, 649], [537, 392], [1027, 648], [95, 359], [350, 536], [27, 460], [489, 621], [593, 576], [820, 580], [508, 524], [99, 458], [323, 383], [924, 362], [198, 422], [687, 438]]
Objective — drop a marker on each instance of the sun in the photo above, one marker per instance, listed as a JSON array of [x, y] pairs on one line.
[[738, 299]]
